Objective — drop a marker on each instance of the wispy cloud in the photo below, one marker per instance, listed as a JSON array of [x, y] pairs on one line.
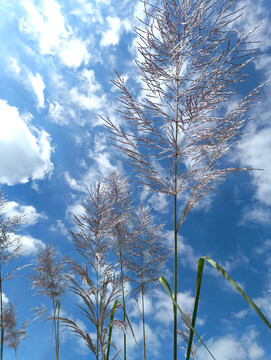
[[31, 245], [59, 227], [31, 216], [257, 215], [27, 150], [231, 347], [46, 24], [38, 87]]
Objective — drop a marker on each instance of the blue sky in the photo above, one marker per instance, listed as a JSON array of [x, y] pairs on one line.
[[56, 62]]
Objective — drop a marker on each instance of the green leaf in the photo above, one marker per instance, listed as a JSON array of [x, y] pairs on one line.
[[110, 327], [197, 294], [166, 286]]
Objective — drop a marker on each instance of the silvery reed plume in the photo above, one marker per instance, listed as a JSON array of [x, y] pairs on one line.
[[10, 249], [119, 194], [94, 279], [13, 335], [176, 128], [49, 279], [147, 256]]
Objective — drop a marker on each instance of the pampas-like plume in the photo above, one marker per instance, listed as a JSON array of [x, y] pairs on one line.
[[176, 132], [94, 281], [147, 256], [49, 280], [120, 196], [10, 249], [13, 336]]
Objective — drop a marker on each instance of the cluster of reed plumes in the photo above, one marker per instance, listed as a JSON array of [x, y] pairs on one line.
[[173, 132]]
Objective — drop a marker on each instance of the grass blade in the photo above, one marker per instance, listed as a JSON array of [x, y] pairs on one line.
[[166, 286], [110, 327], [233, 283], [197, 294]]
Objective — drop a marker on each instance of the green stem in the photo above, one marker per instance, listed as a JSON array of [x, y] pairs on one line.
[[175, 231], [2, 326], [55, 328], [123, 302], [175, 276], [97, 311], [143, 322]]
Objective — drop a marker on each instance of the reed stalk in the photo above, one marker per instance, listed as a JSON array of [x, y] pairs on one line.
[[174, 130]]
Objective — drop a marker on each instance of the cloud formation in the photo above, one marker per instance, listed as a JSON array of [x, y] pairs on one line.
[[25, 151], [31, 216]]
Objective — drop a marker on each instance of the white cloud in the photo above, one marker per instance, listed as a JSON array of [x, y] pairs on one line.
[[31, 216], [74, 209], [259, 215], [5, 299], [91, 101], [136, 310], [14, 66], [115, 28], [255, 151], [264, 303], [188, 257], [60, 227], [57, 113], [233, 348], [153, 340], [38, 87], [163, 306], [159, 202], [74, 52], [27, 150], [47, 25], [72, 182], [30, 245], [241, 314], [253, 14], [264, 248]]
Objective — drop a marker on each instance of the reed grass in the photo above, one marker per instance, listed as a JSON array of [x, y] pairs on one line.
[[49, 279], [10, 250], [13, 335], [191, 62]]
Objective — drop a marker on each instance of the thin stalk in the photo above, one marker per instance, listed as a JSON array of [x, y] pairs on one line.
[[54, 311], [175, 230], [56, 307], [97, 310], [2, 327], [15, 354], [123, 302], [143, 322]]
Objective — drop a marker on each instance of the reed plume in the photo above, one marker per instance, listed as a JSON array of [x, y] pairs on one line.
[[147, 256], [13, 335], [120, 196], [49, 279], [94, 281], [176, 129], [10, 249]]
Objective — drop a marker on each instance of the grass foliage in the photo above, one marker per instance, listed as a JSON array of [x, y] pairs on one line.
[[174, 134]]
